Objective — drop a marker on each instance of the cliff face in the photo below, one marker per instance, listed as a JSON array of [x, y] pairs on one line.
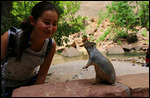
[[91, 8]]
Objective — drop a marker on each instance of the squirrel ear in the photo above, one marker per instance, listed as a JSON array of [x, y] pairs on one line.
[[93, 43]]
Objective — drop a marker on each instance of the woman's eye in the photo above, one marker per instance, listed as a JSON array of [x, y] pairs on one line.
[[54, 24], [47, 23]]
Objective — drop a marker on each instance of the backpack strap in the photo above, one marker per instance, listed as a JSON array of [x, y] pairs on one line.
[[49, 46], [10, 51]]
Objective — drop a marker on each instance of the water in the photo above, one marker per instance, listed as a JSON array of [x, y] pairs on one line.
[[58, 58], [126, 55]]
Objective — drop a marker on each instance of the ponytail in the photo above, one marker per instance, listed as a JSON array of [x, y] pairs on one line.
[[24, 40], [26, 25]]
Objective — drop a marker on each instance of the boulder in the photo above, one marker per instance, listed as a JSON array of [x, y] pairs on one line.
[[106, 24], [101, 49], [71, 42], [70, 52], [126, 46], [138, 27], [141, 38], [140, 31], [60, 48], [147, 34], [138, 46], [83, 50], [78, 42], [115, 49]]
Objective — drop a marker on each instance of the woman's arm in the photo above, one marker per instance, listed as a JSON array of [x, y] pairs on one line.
[[4, 43], [45, 66]]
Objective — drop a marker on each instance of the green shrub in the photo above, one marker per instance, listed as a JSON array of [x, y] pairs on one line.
[[144, 33], [104, 35], [102, 16], [119, 42], [120, 33], [122, 14], [144, 13]]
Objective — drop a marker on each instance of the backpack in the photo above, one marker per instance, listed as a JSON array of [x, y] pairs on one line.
[[11, 49]]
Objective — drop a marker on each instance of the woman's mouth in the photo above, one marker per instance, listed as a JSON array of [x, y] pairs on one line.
[[47, 32]]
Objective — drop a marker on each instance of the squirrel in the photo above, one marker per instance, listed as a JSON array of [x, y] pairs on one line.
[[105, 72]]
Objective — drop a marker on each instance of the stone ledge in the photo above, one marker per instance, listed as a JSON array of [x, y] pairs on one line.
[[85, 88], [138, 84]]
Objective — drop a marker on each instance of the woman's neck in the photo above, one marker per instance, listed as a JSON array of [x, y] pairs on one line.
[[37, 42]]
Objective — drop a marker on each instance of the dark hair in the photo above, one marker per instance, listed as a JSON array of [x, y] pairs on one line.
[[27, 28]]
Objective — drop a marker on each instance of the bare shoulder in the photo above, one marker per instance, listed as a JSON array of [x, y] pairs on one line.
[[4, 43], [4, 36]]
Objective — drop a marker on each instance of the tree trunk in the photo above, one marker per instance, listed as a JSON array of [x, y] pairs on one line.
[[5, 13]]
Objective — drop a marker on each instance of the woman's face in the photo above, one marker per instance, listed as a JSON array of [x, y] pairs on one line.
[[46, 25]]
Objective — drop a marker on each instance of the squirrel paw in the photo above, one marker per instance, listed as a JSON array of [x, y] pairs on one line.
[[85, 68]]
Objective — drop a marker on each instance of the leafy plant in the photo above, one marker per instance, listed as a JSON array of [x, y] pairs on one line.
[[144, 13], [19, 12], [119, 42], [102, 16], [132, 38], [104, 35], [144, 33], [69, 24], [122, 14], [122, 19], [120, 33]]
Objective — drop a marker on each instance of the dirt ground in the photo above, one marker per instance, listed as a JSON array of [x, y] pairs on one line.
[[73, 70]]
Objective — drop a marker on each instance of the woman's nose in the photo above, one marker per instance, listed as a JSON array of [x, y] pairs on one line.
[[50, 27]]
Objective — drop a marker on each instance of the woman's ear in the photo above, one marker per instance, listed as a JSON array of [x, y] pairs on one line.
[[32, 20]]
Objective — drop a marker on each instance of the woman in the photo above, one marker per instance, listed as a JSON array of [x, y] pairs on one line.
[[33, 38]]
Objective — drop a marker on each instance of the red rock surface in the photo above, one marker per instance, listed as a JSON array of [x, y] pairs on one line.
[[84, 88], [138, 83], [76, 88]]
